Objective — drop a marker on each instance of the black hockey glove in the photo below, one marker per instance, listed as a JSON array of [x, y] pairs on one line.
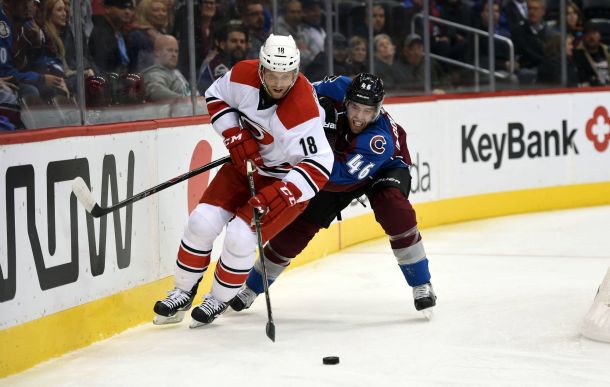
[[330, 122]]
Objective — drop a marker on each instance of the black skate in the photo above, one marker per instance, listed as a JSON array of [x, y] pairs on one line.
[[424, 298], [172, 309], [243, 299], [207, 312]]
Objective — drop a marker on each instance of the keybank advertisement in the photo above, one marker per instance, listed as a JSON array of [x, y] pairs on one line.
[[526, 142], [54, 256]]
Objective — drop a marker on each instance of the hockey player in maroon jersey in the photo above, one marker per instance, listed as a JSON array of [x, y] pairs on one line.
[[267, 112], [371, 158]]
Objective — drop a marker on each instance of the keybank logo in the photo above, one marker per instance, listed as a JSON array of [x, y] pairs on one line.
[[598, 129], [516, 143]]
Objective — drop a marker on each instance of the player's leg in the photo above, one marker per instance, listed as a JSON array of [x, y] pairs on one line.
[[395, 214], [238, 255], [203, 227], [279, 252], [290, 242]]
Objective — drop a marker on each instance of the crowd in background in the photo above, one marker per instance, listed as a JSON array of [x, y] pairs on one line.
[[136, 51]]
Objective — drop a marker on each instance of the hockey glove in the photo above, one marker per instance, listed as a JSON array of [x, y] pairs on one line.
[[241, 147], [272, 200], [330, 120]]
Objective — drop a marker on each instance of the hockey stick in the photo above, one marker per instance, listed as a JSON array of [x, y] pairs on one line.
[[270, 329], [83, 193]]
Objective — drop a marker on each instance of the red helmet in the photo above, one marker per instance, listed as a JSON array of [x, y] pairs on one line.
[[97, 92], [130, 89]]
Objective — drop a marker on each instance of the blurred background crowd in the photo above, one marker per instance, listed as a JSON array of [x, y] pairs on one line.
[[123, 60]]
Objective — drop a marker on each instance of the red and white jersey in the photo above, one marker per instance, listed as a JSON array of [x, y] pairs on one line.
[[289, 131]]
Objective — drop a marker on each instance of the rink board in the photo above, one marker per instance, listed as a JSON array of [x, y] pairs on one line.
[[68, 280]]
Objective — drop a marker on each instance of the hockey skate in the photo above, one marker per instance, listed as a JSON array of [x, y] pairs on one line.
[[243, 299], [424, 299], [172, 309], [207, 312]]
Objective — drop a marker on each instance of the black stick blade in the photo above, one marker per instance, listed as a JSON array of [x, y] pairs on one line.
[[271, 330], [98, 211]]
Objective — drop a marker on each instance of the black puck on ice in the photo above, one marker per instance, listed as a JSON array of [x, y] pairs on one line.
[[330, 360]]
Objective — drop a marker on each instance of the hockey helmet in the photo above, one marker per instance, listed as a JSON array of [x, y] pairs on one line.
[[97, 92], [130, 89], [366, 89], [280, 53]]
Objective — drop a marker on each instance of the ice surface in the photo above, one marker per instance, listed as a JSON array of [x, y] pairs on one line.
[[511, 294]]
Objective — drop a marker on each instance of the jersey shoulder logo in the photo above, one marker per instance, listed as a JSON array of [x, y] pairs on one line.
[[378, 144], [5, 32]]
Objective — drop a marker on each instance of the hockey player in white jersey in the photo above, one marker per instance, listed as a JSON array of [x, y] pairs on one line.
[[267, 112]]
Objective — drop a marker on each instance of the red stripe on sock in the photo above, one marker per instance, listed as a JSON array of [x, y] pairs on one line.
[[229, 277], [192, 260]]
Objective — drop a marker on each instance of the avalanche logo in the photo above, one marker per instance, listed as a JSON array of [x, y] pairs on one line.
[[598, 129]]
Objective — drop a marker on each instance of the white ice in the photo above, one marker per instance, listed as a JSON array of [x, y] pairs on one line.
[[511, 294]]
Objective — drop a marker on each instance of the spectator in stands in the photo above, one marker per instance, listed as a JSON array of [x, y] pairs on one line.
[[574, 21], [107, 42], [170, 6], [379, 23], [98, 9], [314, 33], [291, 23], [357, 56], [253, 19], [69, 41], [549, 71], [410, 64], [501, 49], [86, 13], [232, 43], [413, 7], [10, 112], [457, 12], [386, 67], [57, 33], [318, 69], [516, 14], [592, 58], [8, 91], [529, 40], [15, 16], [54, 17], [151, 21], [205, 16], [163, 81]]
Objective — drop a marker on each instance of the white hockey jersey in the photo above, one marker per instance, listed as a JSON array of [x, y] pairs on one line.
[[289, 131]]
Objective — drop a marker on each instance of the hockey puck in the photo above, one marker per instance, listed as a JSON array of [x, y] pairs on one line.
[[330, 360]]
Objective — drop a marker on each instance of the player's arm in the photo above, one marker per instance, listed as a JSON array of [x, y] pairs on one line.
[[334, 87], [222, 104], [222, 100], [308, 149]]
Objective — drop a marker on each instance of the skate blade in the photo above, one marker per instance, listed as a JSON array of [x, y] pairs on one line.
[[428, 313], [196, 324], [164, 320]]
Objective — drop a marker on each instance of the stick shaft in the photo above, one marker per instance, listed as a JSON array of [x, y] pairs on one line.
[[270, 325], [98, 211]]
